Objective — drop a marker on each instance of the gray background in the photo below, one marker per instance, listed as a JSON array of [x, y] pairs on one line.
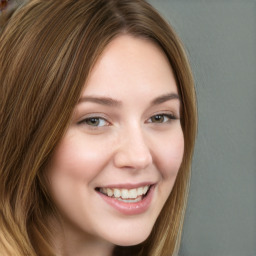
[[220, 38]]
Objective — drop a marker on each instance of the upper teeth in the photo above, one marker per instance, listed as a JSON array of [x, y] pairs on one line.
[[125, 193]]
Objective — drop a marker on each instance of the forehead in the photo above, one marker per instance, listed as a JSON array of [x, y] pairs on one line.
[[131, 64]]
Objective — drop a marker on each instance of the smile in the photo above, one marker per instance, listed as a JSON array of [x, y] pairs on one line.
[[126, 195], [128, 201]]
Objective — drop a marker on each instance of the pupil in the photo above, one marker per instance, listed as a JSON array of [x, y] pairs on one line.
[[158, 118], [93, 121]]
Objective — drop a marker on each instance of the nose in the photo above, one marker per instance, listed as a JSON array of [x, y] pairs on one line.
[[133, 151]]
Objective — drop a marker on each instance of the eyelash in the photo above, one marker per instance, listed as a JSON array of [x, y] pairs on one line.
[[99, 120], [169, 117], [95, 118]]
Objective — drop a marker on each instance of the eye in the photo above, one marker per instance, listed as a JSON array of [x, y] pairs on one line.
[[161, 118], [94, 121]]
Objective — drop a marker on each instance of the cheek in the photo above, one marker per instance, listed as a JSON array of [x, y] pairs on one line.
[[78, 158], [170, 155], [169, 159], [74, 166]]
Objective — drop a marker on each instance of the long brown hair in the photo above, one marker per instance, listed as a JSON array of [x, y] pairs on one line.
[[47, 50]]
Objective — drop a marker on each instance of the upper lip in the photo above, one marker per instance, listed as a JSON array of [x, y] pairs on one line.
[[128, 185]]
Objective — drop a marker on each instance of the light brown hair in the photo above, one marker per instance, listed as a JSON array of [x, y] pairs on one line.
[[47, 50]]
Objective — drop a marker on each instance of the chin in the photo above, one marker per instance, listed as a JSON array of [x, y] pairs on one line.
[[130, 239]]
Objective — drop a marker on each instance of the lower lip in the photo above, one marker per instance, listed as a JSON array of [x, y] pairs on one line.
[[130, 208]]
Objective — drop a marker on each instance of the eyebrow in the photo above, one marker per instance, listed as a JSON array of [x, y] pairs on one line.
[[164, 98], [106, 101]]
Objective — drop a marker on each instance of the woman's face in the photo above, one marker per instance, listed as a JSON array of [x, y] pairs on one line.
[[116, 165]]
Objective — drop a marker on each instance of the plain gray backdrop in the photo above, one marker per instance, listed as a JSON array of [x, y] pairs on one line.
[[220, 39]]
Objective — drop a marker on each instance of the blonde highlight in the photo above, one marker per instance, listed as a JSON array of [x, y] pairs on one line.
[[47, 50]]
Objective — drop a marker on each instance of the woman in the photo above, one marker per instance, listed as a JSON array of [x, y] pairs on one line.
[[98, 121]]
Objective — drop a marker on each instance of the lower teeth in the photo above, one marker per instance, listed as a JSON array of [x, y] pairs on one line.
[[130, 200]]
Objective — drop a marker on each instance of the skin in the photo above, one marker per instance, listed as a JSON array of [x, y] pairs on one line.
[[131, 139]]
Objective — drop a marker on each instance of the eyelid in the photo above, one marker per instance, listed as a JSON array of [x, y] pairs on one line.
[[169, 115], [93, 116]]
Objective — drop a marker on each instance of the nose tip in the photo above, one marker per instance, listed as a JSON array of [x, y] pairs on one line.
[[133, 154]]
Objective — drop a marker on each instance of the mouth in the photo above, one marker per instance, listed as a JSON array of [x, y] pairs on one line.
[[133, 195]]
